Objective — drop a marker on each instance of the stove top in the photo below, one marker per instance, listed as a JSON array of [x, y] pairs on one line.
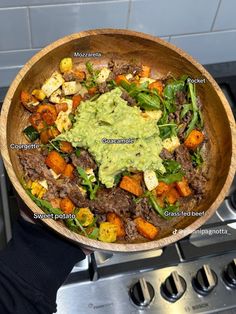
[[195, 275]]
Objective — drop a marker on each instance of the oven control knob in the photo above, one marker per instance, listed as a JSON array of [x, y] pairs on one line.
[[205, 280], [229, 274], [142, 293], [174, 287]]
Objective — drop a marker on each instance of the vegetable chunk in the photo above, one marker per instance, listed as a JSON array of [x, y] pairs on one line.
[[107, 232], [116, 220], [194, 139], [183, 187], [145, 228], [56, 162], [67, 206], [131, 185]]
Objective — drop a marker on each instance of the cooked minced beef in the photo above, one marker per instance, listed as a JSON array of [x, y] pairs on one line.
[[34, 165], [131, 101], [195, 177], [103, 88], [180, 98], [113, 200], [78, 198], [165, 154], [183, 157], [131, 230], [124, 68], [84, 160]]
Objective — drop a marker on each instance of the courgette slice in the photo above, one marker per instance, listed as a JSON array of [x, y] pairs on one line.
[[30, 133]]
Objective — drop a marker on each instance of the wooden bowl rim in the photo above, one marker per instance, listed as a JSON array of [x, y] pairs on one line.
[[95, 244]]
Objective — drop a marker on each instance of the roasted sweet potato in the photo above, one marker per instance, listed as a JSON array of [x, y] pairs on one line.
[[138, 177], [61, 107], [56, 202], [55, 161], [76, 101], [156, 85], [66, 147], [37, 122], [48, 134], [67, 206], [79, 75], [68, 171], [53, 132], [146, 70], [131, 185], [92, 90], [48, 113], [194, 139], [28, 101], [116, 220], [183, 187], [121, 78], [162, 188], [44, 136], [145, 228], [172, 195]]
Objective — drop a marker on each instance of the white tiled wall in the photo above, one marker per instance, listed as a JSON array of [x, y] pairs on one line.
[[204, 28]]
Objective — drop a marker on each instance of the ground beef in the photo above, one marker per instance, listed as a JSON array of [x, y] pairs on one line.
[[131, 101], [165, 154], [124, 68], [113, 200], [142, 209], [131, 230], [183, 157], [69, 76], [195, 177], [84, 160], [76, 196], [198, 182], [181, 98], [103, 88], [34, 166]]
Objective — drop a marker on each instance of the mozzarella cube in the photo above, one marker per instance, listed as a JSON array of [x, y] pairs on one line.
[[55, 176], [129, 76], [55, 97], [171, 143], [44, 184], [63, 121], [70, 88], [150, 179], [52, 84], [103, 75]]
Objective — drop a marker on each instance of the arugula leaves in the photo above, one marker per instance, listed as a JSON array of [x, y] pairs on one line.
[[173, 87], [45, 205], [173, 172], [75, 225], [91, 81], [196, 116], [87, 182], [146, 99]]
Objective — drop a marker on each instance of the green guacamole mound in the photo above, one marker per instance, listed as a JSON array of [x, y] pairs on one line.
[[109, 117]]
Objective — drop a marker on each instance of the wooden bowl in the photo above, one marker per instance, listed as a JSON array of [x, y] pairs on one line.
[[163, 58]]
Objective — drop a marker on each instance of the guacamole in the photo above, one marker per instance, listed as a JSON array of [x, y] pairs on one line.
[[116, 135]]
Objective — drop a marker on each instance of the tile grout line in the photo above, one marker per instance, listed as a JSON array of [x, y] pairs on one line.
[[214, 20], [205, 32], [29, 25], [128, 15]]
